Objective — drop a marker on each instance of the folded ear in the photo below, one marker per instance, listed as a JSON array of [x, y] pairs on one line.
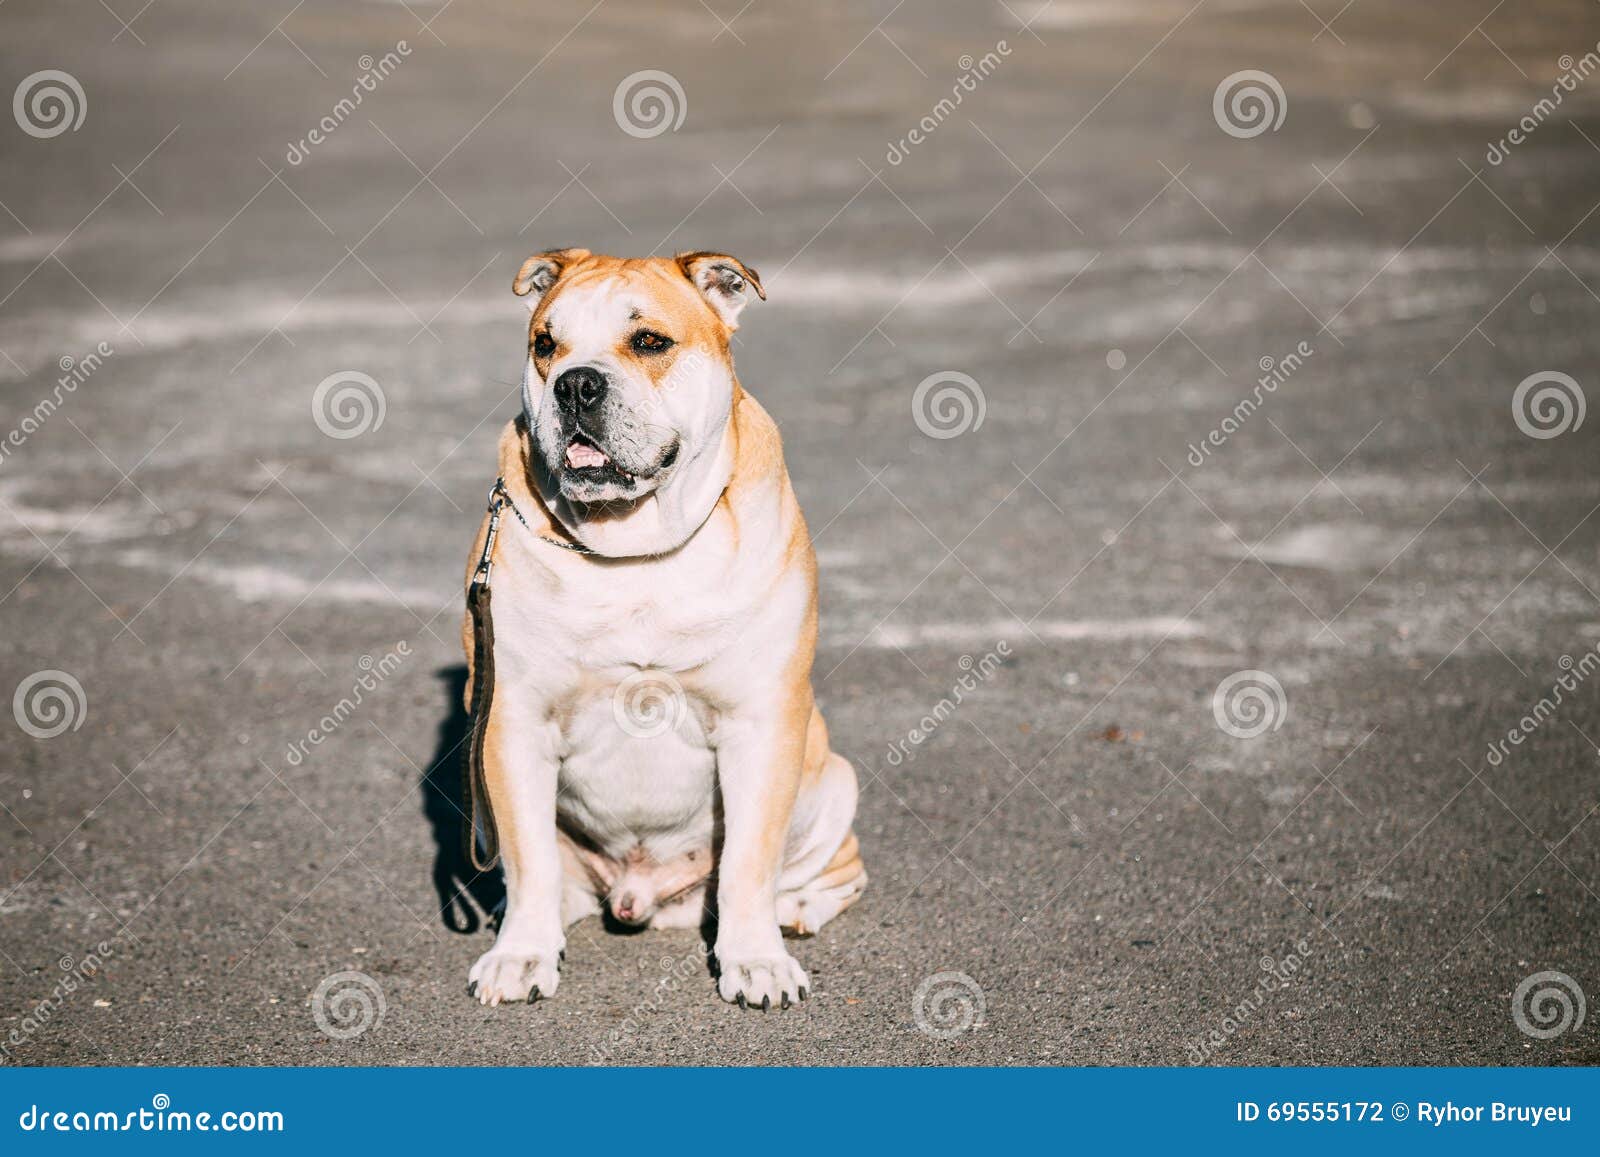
[[541, 271], [722, 280]]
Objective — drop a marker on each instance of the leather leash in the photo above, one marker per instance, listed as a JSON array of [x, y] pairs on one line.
[[475, 788]]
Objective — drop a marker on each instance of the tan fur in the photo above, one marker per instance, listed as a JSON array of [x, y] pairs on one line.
[[788, 856]]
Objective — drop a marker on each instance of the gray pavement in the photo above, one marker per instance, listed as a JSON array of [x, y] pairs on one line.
[[1091, 840]]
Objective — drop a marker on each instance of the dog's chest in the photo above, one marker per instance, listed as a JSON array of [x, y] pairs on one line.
[[681, 619]]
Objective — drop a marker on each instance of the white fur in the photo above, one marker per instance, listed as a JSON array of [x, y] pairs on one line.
[[711, 611]]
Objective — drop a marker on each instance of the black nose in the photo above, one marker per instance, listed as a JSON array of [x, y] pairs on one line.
[[582, 387]]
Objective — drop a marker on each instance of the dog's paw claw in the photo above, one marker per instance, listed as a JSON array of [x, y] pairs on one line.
[[505, 977], [761, 982]]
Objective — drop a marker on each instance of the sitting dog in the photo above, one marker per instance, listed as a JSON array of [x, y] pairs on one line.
[[651, 736]]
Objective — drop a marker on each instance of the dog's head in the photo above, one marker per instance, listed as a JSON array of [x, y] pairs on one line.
[[629, 373]]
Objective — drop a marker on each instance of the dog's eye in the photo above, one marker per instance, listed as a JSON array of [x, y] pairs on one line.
[[543, 345], [648, 342]]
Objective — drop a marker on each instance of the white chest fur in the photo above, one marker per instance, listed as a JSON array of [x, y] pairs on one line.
[[631, 664]]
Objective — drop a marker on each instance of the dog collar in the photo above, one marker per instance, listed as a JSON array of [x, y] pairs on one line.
[[499, 500]]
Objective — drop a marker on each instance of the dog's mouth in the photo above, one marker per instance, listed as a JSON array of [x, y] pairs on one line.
[[586, 459]]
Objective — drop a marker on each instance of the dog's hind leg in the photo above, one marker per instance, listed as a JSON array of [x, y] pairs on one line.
[[585, 876], [823, 873], [804, 910]]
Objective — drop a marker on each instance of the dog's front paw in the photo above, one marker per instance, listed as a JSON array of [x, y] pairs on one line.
[[500, 975], [762, 981]]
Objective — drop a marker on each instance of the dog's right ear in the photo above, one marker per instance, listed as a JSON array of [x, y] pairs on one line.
[[542, 270]]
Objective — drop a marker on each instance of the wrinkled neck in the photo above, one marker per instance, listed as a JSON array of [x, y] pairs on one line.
[[662, 520]]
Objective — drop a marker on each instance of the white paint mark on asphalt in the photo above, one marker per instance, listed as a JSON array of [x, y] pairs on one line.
[[1327, 546], [987, 633]]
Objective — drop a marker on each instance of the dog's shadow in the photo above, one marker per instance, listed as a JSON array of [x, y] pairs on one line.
[[467, 897]]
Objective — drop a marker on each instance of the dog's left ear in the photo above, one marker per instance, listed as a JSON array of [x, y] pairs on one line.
[[722, 280]]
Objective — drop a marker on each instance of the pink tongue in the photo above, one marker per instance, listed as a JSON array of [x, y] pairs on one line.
[[580, 455]]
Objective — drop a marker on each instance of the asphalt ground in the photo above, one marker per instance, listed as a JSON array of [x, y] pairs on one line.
[[1089, 859]]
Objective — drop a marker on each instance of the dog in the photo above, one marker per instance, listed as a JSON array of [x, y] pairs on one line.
[[652, 749]]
